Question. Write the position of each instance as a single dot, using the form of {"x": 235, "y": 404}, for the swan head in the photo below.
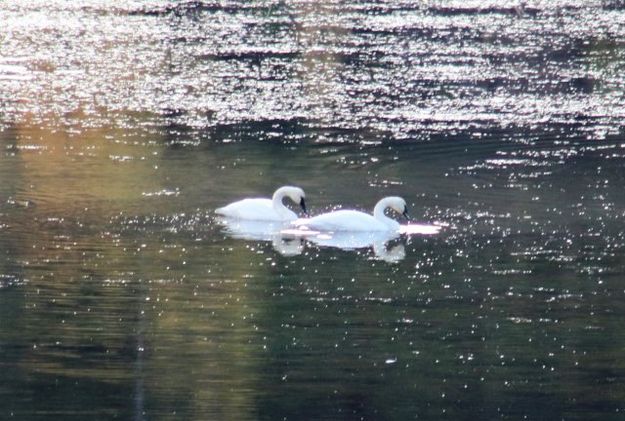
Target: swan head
{"x": 395, "y": 203}
{"x": 398, "y": 205}
{"x": 296, "y": 194}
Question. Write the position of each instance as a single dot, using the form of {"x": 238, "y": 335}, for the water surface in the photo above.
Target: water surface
{"x": 123, "y": 125}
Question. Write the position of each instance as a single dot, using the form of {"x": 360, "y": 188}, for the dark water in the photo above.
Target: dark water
{"x": 123, "y": 125}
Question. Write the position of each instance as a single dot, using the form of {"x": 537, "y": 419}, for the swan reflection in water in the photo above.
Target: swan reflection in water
{"x": 381, "y": 242}
{"x": 290, "y": 241}
{"x": 262, "y": 231}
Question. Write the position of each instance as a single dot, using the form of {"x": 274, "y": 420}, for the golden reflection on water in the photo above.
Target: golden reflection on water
{"x": 69, "y": 168}
{"x": 105, "y": 303}
{"x": 113, "y": 275}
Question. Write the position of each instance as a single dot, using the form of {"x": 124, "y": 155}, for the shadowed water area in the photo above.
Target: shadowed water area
{"x": 123, "y": 125}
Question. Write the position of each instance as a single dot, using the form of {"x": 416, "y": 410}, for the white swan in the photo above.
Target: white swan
{"x": 351, "y": 220}
{"x": 260, "y": 209}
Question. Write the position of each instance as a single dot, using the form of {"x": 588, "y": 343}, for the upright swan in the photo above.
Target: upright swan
{"x": 261, "y": 209}
{"x": 351, "y": 220}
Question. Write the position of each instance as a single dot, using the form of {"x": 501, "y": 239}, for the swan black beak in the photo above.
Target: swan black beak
{"x": 302, "y": 203}
{"x": 405, "y": 213}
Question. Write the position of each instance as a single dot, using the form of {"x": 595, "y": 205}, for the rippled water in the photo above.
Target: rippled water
{"x": 123, "y": 125}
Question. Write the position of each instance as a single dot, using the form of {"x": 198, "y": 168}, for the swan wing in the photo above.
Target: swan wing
{"x": 253, "y": 209}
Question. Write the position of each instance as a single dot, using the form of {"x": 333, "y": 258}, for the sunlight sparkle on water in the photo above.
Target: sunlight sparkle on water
{"x": 125, "y": 124}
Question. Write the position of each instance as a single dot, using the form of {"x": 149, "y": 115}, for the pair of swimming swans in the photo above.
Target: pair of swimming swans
{"x": 273, "y": 210}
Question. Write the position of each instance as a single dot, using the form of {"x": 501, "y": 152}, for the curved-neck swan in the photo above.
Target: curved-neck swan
{"x": 351, "y": 220}
{"x": 261, "y": 209}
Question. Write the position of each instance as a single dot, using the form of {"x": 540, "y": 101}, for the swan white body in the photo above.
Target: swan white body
{"x": 261, "y": 209}
{"x": 352, "y": 220}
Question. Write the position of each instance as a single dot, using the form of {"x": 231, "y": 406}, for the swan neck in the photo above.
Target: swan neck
{"x": 277, "y": 203}
{"x": 378, "y": 213}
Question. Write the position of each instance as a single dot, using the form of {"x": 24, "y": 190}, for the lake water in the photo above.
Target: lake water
{"x": 123, "y": 125}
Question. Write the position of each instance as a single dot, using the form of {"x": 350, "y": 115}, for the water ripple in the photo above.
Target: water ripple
{"x": 462, "y": 67}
